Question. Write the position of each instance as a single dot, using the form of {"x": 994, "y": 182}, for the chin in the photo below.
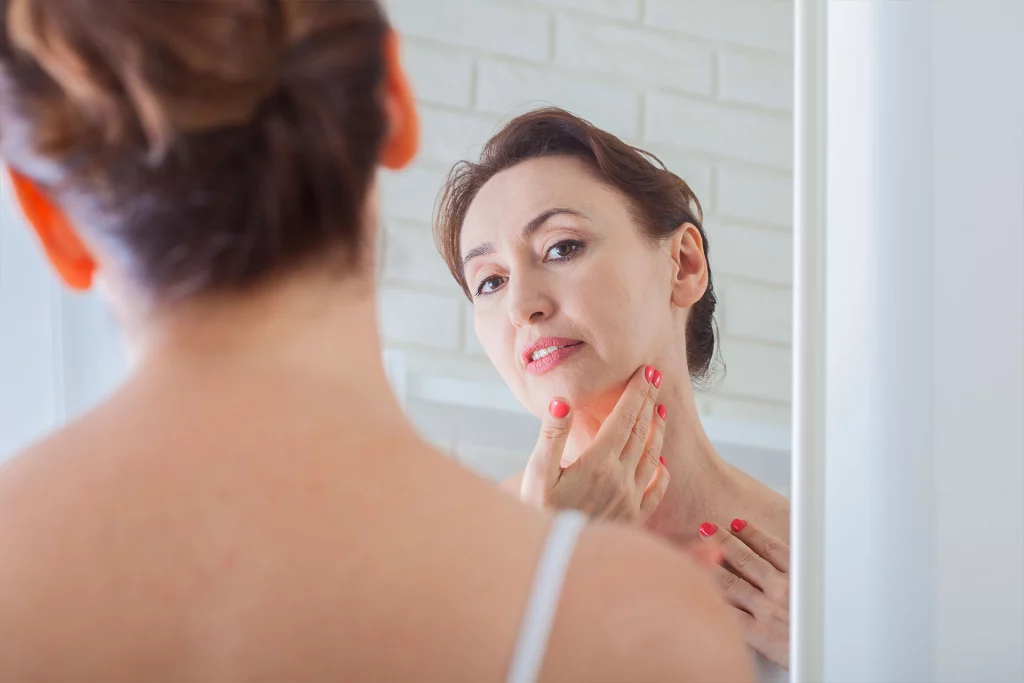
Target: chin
{"x": 591, "y": 394}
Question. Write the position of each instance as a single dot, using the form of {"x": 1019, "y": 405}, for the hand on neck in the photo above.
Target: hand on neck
{"x": 700, "y": 481}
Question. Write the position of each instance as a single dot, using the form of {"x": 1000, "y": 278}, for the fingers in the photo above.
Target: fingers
{"x": 545, "y": 464}
{"x": 739, "y": 592}
{"x": 763, "y": 543}
{"x": 629, "y": 421}
{"x": 771, "y": 640}
{"x": 747, "y": 563}
{"x": 654, "y": 492}
{"x": 651, "y": 458}
{"x": 640, "y": 434}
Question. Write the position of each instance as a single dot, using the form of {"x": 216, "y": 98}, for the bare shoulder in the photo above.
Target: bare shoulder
{"x": 636, "y": 609}
{"x": 32, "y": 555}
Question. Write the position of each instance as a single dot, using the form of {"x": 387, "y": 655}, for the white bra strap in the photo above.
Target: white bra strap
{"x": 543, "y": 601}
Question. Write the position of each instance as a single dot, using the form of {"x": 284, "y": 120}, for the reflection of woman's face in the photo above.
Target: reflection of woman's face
{"x": 553, "y": 258}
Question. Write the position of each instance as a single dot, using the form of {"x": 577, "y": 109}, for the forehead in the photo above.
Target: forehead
{"x": 511, "y": 198}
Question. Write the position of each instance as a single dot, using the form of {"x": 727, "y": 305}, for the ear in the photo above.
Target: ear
{"x": 66, "y": 252}
{"x": 403, "y": 140}
{"x": 690, "y": 275}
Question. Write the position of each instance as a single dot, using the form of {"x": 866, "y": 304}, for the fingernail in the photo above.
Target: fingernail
{"x": 662, "y": 458}
{"x": 738, "y": 525}
{"x": 558, "y": 409}
{"x": 663, "y": 412}
{"x": 708, "y": 529}
{"x": 648, "y": 373}
{"x": 656, "y": 380}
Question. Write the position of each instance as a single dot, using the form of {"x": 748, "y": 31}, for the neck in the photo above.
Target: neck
{"x": 701, "y": 484}
{"x": 314, "y": 331}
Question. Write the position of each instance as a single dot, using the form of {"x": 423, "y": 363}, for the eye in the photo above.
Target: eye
{"x": 489, "y": 286}
{"x": 563, "y": 251}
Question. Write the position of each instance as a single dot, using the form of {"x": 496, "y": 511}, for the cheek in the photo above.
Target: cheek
{"x": 625, "y": 310}
{"x": 493, "y": 335}
{"x": 605, "y": 301}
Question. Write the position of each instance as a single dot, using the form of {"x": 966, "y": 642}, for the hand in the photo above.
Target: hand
{"x": 756, "y": 584}
{"x": 620, "y": 475}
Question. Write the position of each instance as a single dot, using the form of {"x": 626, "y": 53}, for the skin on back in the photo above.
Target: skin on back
{"x": 314, "y": 538}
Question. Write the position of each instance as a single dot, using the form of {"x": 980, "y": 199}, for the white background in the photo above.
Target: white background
{"x": 924, "y": 460}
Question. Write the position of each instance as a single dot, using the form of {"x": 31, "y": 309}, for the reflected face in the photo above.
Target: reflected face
{"x": 569, "y": 296}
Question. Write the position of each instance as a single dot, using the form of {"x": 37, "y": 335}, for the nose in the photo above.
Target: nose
{"x": 529, "y": 302}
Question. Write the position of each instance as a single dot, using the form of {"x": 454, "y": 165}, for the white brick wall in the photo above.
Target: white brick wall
{"x": 510, "y": 29}
{"x": 704, "y": 84}
{"x": 761, "y": 24}
{"x": 418, "y": 318}
{"x": 719, "y": 130}
{"x": 752, "y": 253}
{"x": 506, "y": 89}
{"x": 441, "y": 75}
{"x": 618, "y": 9}
{"x": 755, "y": 195}
{"x": 632, "y": 53}
{"x": 755, "y": 78}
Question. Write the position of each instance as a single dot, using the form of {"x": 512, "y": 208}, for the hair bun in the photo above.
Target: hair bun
{"x": 219, "y": 141}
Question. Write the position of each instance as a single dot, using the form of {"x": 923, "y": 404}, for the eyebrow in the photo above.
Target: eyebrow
{"x": 533, "y": 226}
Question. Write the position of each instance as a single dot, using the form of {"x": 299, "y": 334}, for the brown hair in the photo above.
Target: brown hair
{"x": 660, "y": 200}
{"x": 209, "y": 144}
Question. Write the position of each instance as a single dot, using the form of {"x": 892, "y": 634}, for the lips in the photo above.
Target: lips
{"x": 547, "y": 352}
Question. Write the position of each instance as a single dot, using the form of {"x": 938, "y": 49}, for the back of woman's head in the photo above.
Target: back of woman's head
{"x": 205, "y": 145}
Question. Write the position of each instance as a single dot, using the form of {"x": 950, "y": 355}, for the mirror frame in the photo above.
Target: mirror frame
{"x": 808, "y": 421}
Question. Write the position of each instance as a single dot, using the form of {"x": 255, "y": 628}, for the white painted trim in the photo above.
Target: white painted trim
{"x": 809, "y": 238}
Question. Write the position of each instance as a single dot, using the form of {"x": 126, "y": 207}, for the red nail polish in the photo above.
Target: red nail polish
{"x": 662, "y": 458}
{"x": 663, "y": 412}
{"x": 648, "y": 373}
{"x": 708, "y": 529}
{"x": 656, "y": 380}
{"x": 558, "y": 409}
{"x": 738, "y": 525}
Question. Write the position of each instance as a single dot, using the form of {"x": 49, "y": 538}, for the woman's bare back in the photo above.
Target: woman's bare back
{"x": 310, "y": 540}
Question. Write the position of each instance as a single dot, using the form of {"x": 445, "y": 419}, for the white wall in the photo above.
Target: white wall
{"x": 29, "y": 350}
{"x": 707, "y": 86}
{"x": 978, "y": 363}
{"x": 924, "y": 464}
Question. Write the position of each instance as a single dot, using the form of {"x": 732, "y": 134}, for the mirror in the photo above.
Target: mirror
{"x": 706, "y": 88}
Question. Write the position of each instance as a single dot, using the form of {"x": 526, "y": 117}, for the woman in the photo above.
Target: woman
{"x": 584, "y": 258}
{"x": 250, "y": 505}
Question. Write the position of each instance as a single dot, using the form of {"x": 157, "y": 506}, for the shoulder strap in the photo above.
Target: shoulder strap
{"x": 543, "y": 601}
